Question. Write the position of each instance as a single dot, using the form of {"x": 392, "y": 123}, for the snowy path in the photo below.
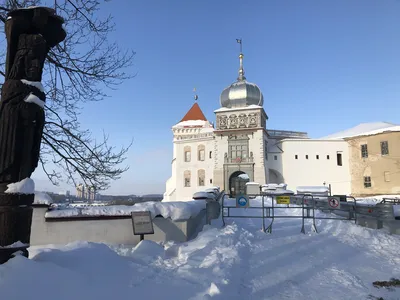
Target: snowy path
{"x": 237, "y": 261}
{"x": 340, "y": 262}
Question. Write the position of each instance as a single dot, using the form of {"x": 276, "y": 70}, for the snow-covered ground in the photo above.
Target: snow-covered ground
{"x": 237, "y": 261}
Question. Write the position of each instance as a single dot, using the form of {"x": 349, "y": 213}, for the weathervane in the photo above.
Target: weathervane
{"x": 195, "y": 95}
{"x": 239, "y": 41}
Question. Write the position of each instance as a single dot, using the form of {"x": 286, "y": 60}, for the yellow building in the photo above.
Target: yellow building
{"x": 374, "y": 158}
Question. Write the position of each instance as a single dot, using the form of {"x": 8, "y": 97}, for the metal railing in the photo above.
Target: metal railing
{"x": 391, "y": 200}
{"x": 285, "y": 133}
{"x": 345, "y": 211}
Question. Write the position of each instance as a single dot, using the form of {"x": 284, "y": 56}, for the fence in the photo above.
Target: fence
{"x": 372, "y": 216}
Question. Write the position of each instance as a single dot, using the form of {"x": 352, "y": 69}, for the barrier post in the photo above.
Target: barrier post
{"x": 223, "y": 212}
{"x": 314, "y": 226}
{"x": 302, "y": 214}
{"x": 263, "y": 214}
{"x": 271, "y": 209}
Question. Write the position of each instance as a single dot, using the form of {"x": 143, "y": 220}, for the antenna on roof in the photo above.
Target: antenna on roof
{"x": 195, "y": 95}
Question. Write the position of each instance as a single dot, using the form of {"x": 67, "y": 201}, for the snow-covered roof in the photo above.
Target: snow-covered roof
{"x": 192, "y": 123}
{"x": 237, "y": 108}
{"x": 364, "y": 129}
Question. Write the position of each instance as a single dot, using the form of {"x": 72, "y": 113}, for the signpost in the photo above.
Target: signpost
{"x": 283, "y": 200}
{"x": 142, "y": 223}
{"x": 242, "y": 201}
{"x": 334, "y": 202}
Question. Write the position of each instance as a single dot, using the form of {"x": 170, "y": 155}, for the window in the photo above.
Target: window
{"x": 339, "y": 159}
{"x": 327, "y": 157}
{"x": 296, "y": 156}
{"x": 386, "y": 176}
{"x": 210, "y": 154}
{"x": 367, "y": 181}
{"x": 201, "y": 174}
{"x": 275, "y": 157}
{"x": 266, "y": 150}
{"x": 187, "y": 156}
{"x": 201, "y": 153}
{"x": 239, "y": 149}
{"x": 186, "y": 176}
{"x": 306, "y": 156}
{"x": 317, "y": 156}
{"x": 210, "y": 180}
{"x": 364, "y": 151}
{"x": 384, "y": 148}
{"x": 187, "y": 152}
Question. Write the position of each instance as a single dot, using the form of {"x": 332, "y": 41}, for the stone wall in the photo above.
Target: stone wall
{"x": 108, "y": 229}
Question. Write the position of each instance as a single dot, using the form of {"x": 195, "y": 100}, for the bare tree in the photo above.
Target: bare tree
{"x": 77, "y": 71}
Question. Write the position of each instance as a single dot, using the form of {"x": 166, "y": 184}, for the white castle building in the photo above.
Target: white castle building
{"x": 241, "y": 148}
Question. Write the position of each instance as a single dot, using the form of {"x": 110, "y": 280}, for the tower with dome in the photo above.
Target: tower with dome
{"x": 227, "y": 154}
{"x": 240, "y": 136}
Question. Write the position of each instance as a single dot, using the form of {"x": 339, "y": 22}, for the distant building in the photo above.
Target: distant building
{"x": 90, "y": 193}
{"x": 80, "y": 191}
{"x": 86, "y": 192}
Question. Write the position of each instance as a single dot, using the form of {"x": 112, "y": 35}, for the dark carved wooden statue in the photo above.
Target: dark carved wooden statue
{"x": 30, "y": 34}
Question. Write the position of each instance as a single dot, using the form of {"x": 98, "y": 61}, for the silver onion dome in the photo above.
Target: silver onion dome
{"x": 241, "y": 93}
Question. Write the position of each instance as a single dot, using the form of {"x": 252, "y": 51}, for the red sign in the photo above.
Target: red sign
{"x": 333, "y": 202}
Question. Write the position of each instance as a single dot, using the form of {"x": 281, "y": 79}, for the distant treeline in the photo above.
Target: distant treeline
{"x": 113, "y": 200}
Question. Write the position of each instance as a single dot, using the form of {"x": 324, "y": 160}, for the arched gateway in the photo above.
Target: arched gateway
{"x": 237, "y": 183}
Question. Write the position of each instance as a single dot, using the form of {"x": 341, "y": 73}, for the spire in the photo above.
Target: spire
{"x": 241, "y": 69}
{"x": 194, "y": 114}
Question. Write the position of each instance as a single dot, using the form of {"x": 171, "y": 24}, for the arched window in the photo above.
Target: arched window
{"x": 187, "y": 153}
{"x": 201, "y": 174}
{"x": 201, "y": 152}
{"x": 186, "y": 176}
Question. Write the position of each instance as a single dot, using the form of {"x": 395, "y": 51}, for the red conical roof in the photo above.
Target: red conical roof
{"x": 194, "y": 113}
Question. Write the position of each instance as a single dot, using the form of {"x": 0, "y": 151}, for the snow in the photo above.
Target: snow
{"x": 252, "y": 106}
{"x": 18, "y": 244}
{"x": 244, "y": 176}
{"x": 274, "y": 186}
{"x": 312, "y": 189}
{"x": 237, "y": 261}
{"x": 31, "y": 98}
{"x": 201, "y": 123}
{"x": 252, "y": 183}
{"x": 36, "y": 84}
{"x": 25, "y": 186}
{"x": 180, "y": 210}
{"x": 42, "y": 198}
{"x": 364, "y": 129}
{"x": 199, "y": 195}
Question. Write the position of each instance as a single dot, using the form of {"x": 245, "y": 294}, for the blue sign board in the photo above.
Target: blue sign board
{"x": 242, "y": 201}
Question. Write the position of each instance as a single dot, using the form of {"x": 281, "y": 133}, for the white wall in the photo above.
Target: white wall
{"x": 186, "y": 193}
{"x": 257, "y": 146}
{"x": 313, "y": 171}
{"x": 190, "y": 137}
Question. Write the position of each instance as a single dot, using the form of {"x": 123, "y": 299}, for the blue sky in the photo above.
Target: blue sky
{"x": 323, "y": 66}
